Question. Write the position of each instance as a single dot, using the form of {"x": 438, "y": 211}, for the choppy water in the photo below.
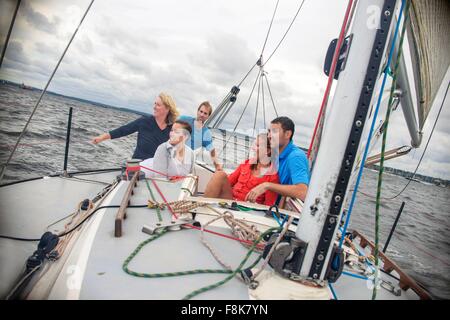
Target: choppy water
{"x": 420, "y": 245}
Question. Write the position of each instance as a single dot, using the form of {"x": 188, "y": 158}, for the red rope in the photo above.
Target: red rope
{"x": 197, "y": 228}
{"x": 164, "y": 198}
{"x": 331, "y": 74}
{"x": 137, "y": 168}
{"x": 224, "y": 235}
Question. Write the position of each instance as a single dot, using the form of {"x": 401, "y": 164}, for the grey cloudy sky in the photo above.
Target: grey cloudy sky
{"x": 126, "y": 52}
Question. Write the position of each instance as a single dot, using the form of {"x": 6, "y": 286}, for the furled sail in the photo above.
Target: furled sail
{"x": 430, "y": 31}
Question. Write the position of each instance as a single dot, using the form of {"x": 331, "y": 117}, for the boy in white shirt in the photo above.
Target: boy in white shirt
{"x": 173, "y": 157}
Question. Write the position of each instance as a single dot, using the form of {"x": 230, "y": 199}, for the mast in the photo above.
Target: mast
{"x": 347, "y": 117}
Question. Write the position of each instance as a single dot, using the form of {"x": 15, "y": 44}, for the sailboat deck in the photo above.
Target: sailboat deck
{"x": 29, "y": 207}
{"x": 175, "y": 251}
{"x": 91, "y": 267}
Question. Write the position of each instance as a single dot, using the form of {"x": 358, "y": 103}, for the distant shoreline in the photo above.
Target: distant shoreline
{"x": 98, "y": 104}
{"x": 397, "y": 172}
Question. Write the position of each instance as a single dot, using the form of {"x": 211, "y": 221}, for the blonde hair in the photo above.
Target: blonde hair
{"x": 170, "y": 104}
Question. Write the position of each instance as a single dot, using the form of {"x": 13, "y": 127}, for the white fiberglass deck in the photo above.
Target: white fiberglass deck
{"x": 91, "y": 267}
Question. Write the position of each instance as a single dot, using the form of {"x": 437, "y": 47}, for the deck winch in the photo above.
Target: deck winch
{"x": 287, "y": 257}
{"x": 289, "y": 253}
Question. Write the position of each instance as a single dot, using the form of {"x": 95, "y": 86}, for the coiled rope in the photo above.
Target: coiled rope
{"x": 195, "y": 271}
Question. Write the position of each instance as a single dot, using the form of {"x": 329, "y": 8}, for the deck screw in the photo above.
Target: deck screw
{"x": 358, "y": 123}
{"x": 254, "y": 284}
{"x": 337, "y": 198}
{"x": 387, "y": 13}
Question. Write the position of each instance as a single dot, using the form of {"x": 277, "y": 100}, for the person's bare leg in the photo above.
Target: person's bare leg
{"x": 219, "y": 186}
{"x": 227, "y": 192}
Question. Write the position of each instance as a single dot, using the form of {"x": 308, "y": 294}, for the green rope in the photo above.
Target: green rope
{"x": 189, "y": 191}
{"x": 160, "y": 275}
{"x": 195, "y": 271}
{"x": 158, "y": 210}
{"x": 239, "y": 268}
{"x": 383, "y": 149}
{"x": 242, "y": 208}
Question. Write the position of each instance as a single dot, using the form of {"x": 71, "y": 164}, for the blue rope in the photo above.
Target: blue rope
{"x": 366, "y": 150}
{"x": 333, "y": 292}
{"x": 280, "y": 223}
{"x": 354, "y": 275}
{"x": 284, "y": 221}
{"x": 276, "y": 218}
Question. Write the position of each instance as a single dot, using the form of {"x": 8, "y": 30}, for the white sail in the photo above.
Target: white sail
{"x": 430, "y": 31}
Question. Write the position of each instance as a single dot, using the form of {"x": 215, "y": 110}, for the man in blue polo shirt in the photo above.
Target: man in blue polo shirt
{"x": 293, "y": 168}
{"x": 201, "y": 136}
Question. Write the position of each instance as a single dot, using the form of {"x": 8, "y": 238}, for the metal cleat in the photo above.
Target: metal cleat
{"x": 172, "y": 225}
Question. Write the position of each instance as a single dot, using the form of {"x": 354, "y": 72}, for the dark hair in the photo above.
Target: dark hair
{"x": 207, "y": 105}
{"x": 286, "y": 123}
{"x": 262, "y": 135}
{"x": 185, "y": 125}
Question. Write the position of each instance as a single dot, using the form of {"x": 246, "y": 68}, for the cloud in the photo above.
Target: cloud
{"x": 38, "y": 20}
{"x": 226, "y": 58}
{"x": 85, "y": 45}
{"x": 133, "y": 41}
{"x": 125, "y": 55}
{"x": 16, "y": 53}
{"x": 7, "y": 8}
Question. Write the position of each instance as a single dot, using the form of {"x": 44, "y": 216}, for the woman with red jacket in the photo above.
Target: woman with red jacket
{"x": 248, "y": 175}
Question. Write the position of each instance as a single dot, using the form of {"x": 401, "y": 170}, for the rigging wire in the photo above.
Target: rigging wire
{"x": 248, "y": 73}
{"x": 240, "y": 118}
{"x": 261, "y": 64}
{"x": 86, "y": 180}
{"x": 352, "y": 202}
{"x": 423, "y": 154}
{"x": 271, "y": 97}
{"x": 285, "y": 34}
{"x": 320, "y": 119}
{"x": 426, "y": 146}
{"x": 257, "y": 102}
{"x": 42, "y": 94}
{"x": 270, "y": 27}
{"x": 263, "y": 102}
{"x": 383, "y": 145}
{"x": 9, "y": 32}
{"x": 261, "y": 72}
